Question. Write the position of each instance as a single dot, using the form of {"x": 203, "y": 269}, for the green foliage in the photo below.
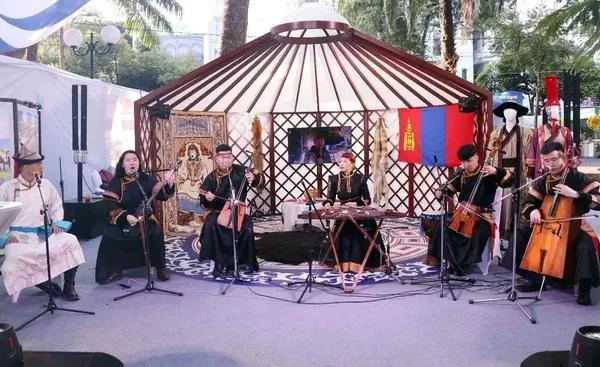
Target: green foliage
{"x": 580, "y": 16}
{"x": 402, "y": 24}
{"x": 150, "y": 70}
{"x": 526, "y": 55}
{"x": 144, "y": 17}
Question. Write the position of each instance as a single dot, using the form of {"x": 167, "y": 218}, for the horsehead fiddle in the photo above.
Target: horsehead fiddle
{"x": 467, "y": 215}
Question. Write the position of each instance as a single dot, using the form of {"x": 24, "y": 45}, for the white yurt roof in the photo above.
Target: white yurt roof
{"x": 313, "y": 61}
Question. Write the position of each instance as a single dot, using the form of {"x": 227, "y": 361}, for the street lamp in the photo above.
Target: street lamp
{"x": 73, "y": 38}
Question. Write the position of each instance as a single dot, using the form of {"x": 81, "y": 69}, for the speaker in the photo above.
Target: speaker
{"x": 547, "y": 359}
{"x": 88, "y": 218}
{"x": 70, "y": 359}
{"x": 11, "y": 353}
{"x": 585, "y": 351}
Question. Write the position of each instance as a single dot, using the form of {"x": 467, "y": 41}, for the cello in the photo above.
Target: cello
{"x": 467, "y": 215}
{"x": 551, "y": 247}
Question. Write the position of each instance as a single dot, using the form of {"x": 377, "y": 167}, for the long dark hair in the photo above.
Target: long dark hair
{"x": 119, "y": 170}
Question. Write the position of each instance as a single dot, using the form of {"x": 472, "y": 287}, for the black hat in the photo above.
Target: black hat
{"x": 26, "y": 157}
{"x": 223, "y": 148}
{"x": 521, "y": 110}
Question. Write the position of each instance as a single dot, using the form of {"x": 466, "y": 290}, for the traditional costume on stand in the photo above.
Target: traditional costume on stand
{"x": 461, "y": 251}
{"x": 25, "y": 262}
{"x": 216, "y": 241}
{"x": 551, "y": 131}
{"x": 351, "y": 244}
{"x": 121, "y": 246}
{"x": 511, "y": 155}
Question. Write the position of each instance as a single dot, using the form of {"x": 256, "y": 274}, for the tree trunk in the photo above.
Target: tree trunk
{"x": 32, "y": 53}
{"x": 235, "y": 24}
{"x": 449, "y": 58}
{"x": 61, "y": 48}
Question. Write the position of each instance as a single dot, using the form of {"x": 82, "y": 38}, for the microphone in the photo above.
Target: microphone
{"x": 38, "y": 179}
{"x": 136, "y": 175}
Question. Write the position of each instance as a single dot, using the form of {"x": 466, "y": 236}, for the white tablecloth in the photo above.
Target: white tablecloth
{"x": 289, "y": 214}
{"x": 8, "y": 212}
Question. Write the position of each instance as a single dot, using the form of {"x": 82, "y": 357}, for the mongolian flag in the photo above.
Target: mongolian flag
{"x": 433, "y": 131}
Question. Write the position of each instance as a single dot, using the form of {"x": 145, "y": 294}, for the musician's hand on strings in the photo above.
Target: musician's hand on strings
{"x": 132, "y": 220}
{"x": 209, "y": 196}
{"x": 170, "y": 177}
{"x": 535, "y": 217}
{"x": 250, "y": 177}
{"x": 489, "y": 170}
{"x": 565, "y": 190}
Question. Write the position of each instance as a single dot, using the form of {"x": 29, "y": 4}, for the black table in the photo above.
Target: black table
{"x": 88, "y": 218}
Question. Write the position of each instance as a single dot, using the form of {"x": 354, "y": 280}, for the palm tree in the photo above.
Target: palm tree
{"x": 448, "y": 57}
{"x": 470, "y": 10}
{"x": 143, "y": 18}
{"x": 582, "y": 16}
{"x": 235, "y": 24}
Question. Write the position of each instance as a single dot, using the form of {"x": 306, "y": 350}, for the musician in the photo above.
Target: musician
{"x": 350, "y": 188}
{"x": 459, "y": 250}
{"x": 586, "y": 193}
{"x": 217, "y": 241}
{"x": 25, "y": 251}
{"x": 318, "y": 153}
{"x": 121, "y": 246}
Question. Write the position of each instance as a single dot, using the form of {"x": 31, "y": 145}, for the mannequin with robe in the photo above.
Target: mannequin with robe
{"x": 514, "y": 141}
{"x": 549, "y": 131}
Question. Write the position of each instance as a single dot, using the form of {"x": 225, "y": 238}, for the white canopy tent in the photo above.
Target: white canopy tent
{"x": 110, "y": 118}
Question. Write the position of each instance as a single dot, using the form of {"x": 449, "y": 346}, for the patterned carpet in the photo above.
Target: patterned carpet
{"x": 407, "y": 251}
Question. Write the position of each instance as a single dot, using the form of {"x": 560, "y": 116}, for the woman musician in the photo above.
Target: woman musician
{"x": 350, "y": 187}
{"x": 586, "y": 194}
{"x": 478, "y": 183}
{"x": 215, "y": 193}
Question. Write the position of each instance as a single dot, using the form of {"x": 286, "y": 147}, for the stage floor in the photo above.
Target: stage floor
{"x": 387, "y": 323}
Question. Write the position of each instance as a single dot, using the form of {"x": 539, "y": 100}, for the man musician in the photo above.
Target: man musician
{"x": 216, "y": 241}
{"x": 462, "y": 251}
{"x": 586, "y": 193}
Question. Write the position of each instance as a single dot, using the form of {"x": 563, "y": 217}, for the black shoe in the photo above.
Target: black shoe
{"x": 112, "y": 277}
{"x": 162, "y": 274}
{"x": 51, "y": 288}
{"x": 583, "y": 294}
{"x": 584, "y": 299}
{"x": 69, "y": 293}
{"x": 530, "y": 286}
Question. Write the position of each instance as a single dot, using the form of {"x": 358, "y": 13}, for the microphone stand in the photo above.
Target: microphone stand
{"x": 61, "y": 182}
{"x": 310, "y": 277}
{"x": 51, "y": 306}
{"x": 443, "y": 276}
{"x": 143, "y": 234}
{"x": 234, "y": 235}
{"x": 513, "y": 296}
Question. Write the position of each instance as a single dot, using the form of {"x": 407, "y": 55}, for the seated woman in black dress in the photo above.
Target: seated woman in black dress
{"x": 350, "y": 188}
{"x": 121, "y": 245}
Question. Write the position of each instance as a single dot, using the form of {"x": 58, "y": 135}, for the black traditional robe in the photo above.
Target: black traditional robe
{"x": 587, "y": 260}
{"x": 216, "y": 241}
{"x": 117, "y": 249}
{"x": 460, "y": 251}
{"x": 351, "y": 246}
